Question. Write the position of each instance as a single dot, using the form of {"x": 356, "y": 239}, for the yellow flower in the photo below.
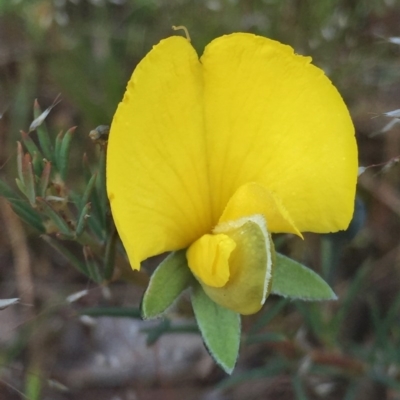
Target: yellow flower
{"x": 199, "y": 147}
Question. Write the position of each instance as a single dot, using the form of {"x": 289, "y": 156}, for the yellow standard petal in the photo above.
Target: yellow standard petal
{"x": 156, "y": 164}
{"x": 274, "y": 119}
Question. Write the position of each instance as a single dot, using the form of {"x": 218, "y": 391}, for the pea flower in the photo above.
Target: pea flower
{"x": 214, "y": 154}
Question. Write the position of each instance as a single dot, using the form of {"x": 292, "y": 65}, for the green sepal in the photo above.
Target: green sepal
{"x": 251, "y": 266}
{"x": 294, "y": 280}
{"x": 220, "y": 329}
{"x": 167, "y": 282}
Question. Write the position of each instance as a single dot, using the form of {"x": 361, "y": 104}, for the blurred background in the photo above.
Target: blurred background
{"x": 71, "y": 336}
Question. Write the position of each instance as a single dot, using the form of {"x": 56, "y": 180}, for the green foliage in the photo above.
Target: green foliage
{"x": 219, "y": 327}
{"x": 59, "y": 49}
{"x": 59, "y": 211}
{"x": 167, "y": 282}
{"x": 291, "y": 279}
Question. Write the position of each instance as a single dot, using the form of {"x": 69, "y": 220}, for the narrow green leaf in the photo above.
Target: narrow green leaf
{"x": 20, "y": 186}
{"x": 265, "y": 338}
{"x": 294, "y": 280}
{"x": 44, "y": 179}
{"x": 30, "y": 144}
{"x": 37, "y": 162}
{"x": 57, "y": 150}
{"x": 87, "y": 172}
{"x": 165, "y": 327}
{"x": 120, "y": 312}
{"x": 314, "y": 318}
{"x": 64, "y": 152}
{"x": 96, "y": 223}
{"x": 80, "y": 266}
{"x": 33, "y": 384}
{"x": 351, "y": 393}
{"x": 29, "y": 179}
{"x": 156, "y": 332}
{"x": 267, "y": 315}
{"x": 347, "y": 302}
{"x": 168, "y": 281}
{"x": 109, "y": 257}
{"x": 298, "y": 388}
{"x": 54, "y": 216}
{"x": 20, "y": 158}
{"x": 83, "y": 216}
{"x": 91, "y": 264}
{"x": 101, "y": 186}
{"x": 7, "y": 192}
{"x": 88, "y": 191}
{"x": 21, "y": 208}
{"x": 273, "y": 368}
{"x": 39, "y": 125}
{"x": 45, "y": 144}
{"x": 219, "y": 327}
{"x": 391, "y": 315}
{"x": 28, "y": 215}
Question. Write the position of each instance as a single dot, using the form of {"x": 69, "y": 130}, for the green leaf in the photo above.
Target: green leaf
{"x": 30, "y": 144}
{"x": 37, "y": 163}
{"x": 267, "y": 315}
{"x": 39, "y": 125}
{"x": 80, "y": 266}
{"x": 168, "y": 281}
{"x": 44, "y": 179}
{"x": 22, "y": 209}
{"x": 28, "y": 215}
{"x": 92, "y": 266}
{"x": 155, "y": 333}
{"x": 101, "y": 187}
{"x": 88, "y": 192}
{"x": 219, "y": 327}
{"x": 119, "y": 312}
{"x": 273, "y": 368}
{"x": 29, "y": 179}
{"x": 57, "y": 149}
{"x": 109, "y": 256}
{"x": 294, "y": 280}
{"x": 54, "y": 216}
{"x": 64, "y": 152}
{"x": 84, "y": 215}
